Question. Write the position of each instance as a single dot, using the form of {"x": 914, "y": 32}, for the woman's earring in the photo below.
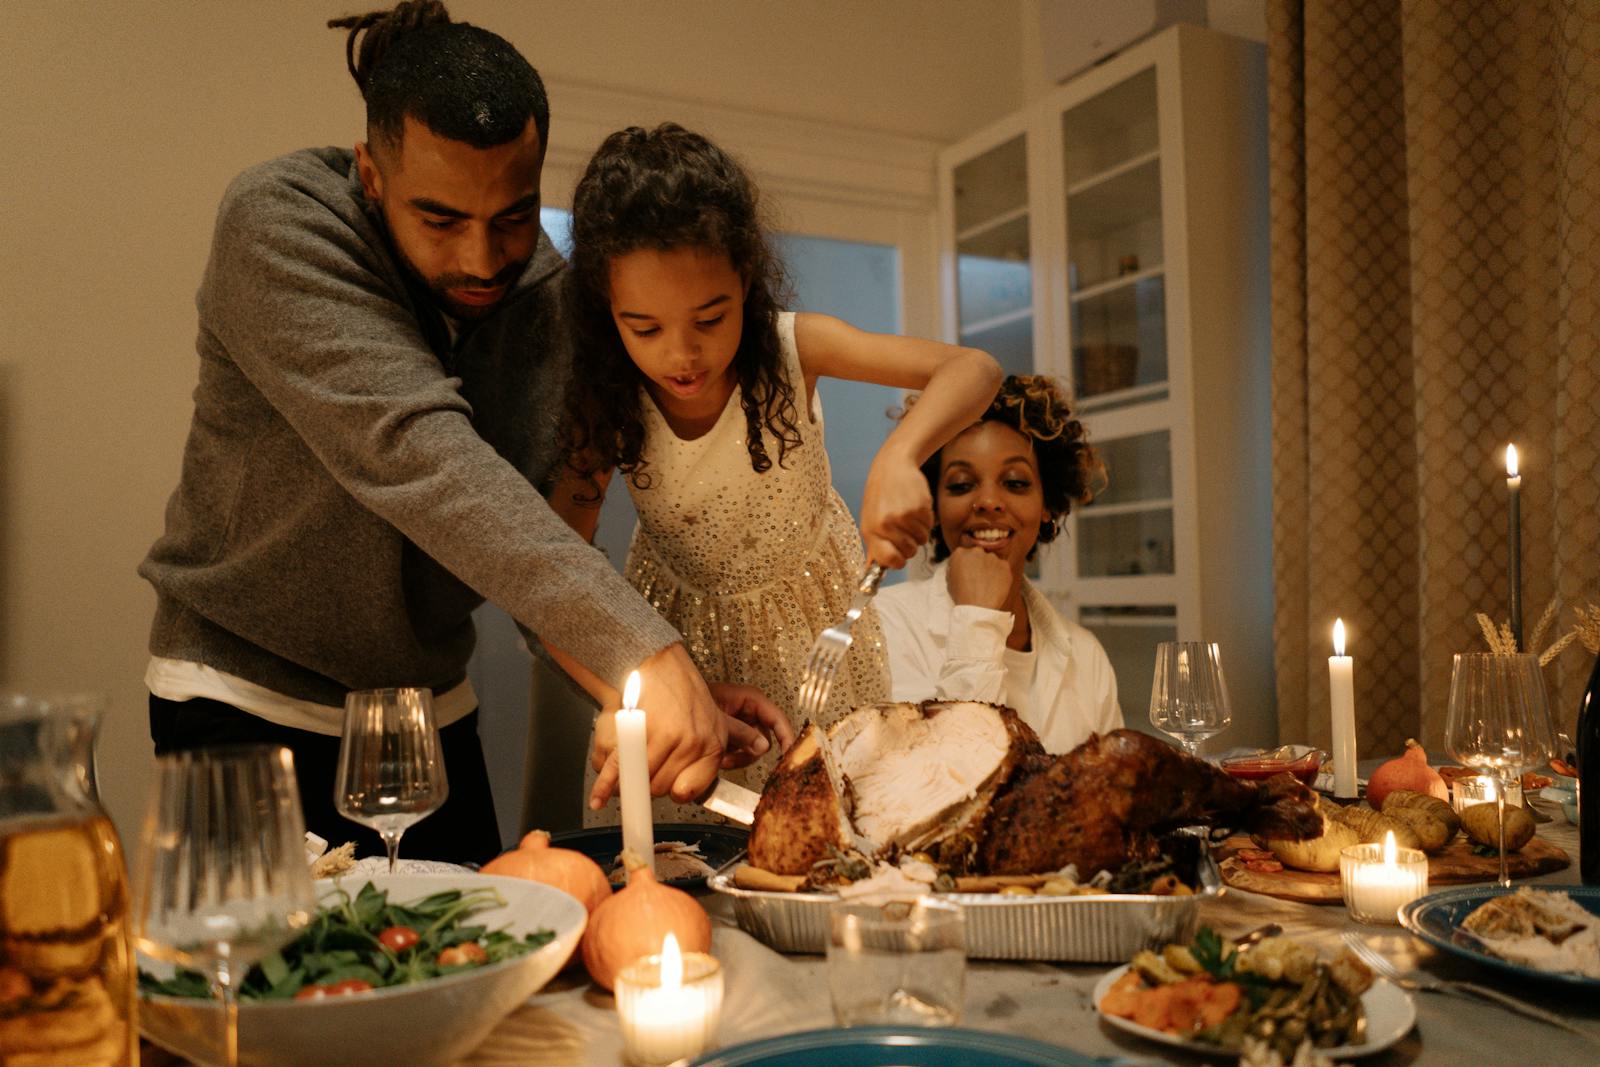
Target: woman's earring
{"x": 1048, "y": 529}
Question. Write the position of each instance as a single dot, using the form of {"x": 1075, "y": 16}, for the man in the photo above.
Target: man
{"x": 381, "y": 372}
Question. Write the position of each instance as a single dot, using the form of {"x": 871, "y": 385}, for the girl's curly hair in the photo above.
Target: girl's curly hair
{"x": 1070, "y": 470}
{"x": 664, "y": 189}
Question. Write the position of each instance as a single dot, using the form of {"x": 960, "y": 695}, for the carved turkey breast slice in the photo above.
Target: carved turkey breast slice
{"x": 885, "y": 779}
{"x": 920, "y": 774}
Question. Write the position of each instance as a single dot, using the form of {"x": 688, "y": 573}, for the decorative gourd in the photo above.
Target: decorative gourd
{"x": 636, "y": 919}
{"x": 569, "y": 871}
{"x": 1409, "y": 770}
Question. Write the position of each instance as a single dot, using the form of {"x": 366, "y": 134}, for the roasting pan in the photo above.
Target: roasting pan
{"x": 1105, "y": 928}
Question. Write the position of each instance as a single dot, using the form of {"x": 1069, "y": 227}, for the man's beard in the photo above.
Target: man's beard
{"x": 439, "y": 287}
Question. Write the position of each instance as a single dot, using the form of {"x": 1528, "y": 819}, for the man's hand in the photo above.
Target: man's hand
{"x": 979, "y": 578}
{"x": 896, "y": 510}
{"x": 686, "y": 732}
{"x": 749, "y": 707}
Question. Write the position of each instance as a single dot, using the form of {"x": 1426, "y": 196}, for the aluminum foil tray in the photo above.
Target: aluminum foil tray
{"x": 1105, "y": 928}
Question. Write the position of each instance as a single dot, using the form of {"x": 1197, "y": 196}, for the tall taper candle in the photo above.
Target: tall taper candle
{"x": 1514, "y": 485}
{"x": 633, "y": 780}
{"x": 1342, "y": 696}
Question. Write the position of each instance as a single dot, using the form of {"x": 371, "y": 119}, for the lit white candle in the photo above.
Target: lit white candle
{"x": 633, "y": 765}
{"x": 669, "y": 1005}
{"x": 1378, "y": 880}
{"x": 1342, "y": 696}
{"x": 1514, "y": 547}
{"x": 1465, "y": 792}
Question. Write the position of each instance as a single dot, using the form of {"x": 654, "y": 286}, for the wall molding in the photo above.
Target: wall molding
{"x": 793, "y": 158}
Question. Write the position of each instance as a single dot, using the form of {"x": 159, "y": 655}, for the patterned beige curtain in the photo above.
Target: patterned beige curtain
{"x": 1435, "y": 193}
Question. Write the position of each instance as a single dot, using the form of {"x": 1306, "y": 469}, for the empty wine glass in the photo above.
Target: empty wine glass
{"x": 1189, "y": 698}
{"x": 223, "y": 877}
{"x": 391, "y": 772}
{"x": 1499, "y": 722}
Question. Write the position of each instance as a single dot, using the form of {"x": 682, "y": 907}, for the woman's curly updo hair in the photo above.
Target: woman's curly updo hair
{"x": 665, "y": 189}
{"x": 1070, "y": 471}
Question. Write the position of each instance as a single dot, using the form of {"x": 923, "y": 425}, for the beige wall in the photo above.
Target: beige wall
{"x": 124, "y": 120}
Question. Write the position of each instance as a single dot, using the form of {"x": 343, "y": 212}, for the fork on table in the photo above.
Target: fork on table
{"x": 1429, "y": 984}
{"x": 828, "y": 650}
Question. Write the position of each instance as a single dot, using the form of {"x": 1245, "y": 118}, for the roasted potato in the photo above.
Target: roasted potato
{"x": 1483, "y": 826}
{"x": 1406, "y": 800}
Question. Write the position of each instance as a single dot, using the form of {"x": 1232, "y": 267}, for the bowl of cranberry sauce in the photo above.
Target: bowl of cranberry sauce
{"x": 1302, "y": 761}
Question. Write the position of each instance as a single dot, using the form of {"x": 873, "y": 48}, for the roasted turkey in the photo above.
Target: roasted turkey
{"x": 969, "y": 784}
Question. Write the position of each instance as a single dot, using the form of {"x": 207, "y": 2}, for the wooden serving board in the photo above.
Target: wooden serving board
{"x": 1456, "y": 862}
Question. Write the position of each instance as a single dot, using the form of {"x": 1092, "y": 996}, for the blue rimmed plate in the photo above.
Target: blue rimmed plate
{"x": 883, "y": 1046}
{"x": 603, "y": 844}
{"x": 1437, "y": 917}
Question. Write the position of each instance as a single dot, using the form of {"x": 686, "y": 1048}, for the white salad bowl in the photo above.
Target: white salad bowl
{"x": 427, "y": 1024}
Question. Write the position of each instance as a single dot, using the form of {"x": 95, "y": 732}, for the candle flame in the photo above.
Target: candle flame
{"x": 1511, "y": 461}
{"x": 671, "y": 963}
{"x": 1490, "y": 794}
{"x": 1338, "y": 637}
{"x": 1388, "y": 849}
{"x": 630, "y": 691}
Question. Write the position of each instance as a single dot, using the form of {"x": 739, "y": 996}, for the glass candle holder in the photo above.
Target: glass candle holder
{"x": 1481, "y": 789}
{"x": 669, "y": 1006}
{"x": 1378, "y": 880}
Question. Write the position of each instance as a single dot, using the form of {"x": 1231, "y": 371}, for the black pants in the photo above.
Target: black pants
{"x": 463, "y": 830}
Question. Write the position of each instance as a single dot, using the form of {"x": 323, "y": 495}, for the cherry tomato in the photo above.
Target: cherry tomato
{"x": 398, "y": 938}
{"x": 466, "y": 953}
{"x": 348, "y": 986}
{"x": 335, "y": 989}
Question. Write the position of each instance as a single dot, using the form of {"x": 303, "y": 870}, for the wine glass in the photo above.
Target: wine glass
{"x": 1499, "y": 722}
{"x": 223, "y": 877}
{"x": 1189, "y": 698}
{"x": 391, "y": 773}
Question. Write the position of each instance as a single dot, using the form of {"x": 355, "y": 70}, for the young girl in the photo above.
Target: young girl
{"x": 977, "y": 629}
{"x": 696, "y": 386}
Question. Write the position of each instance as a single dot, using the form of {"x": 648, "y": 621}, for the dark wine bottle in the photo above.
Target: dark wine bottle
{"x": 1589, "y": 779}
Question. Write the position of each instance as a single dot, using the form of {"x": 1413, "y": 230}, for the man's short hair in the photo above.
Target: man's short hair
{"x": 460, "y": 81}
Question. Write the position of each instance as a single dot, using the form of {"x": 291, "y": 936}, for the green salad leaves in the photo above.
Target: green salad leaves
{"x": 365, "y": 942}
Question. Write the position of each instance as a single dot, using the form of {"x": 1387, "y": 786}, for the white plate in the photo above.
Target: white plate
{"x": 1390, "y": 1016}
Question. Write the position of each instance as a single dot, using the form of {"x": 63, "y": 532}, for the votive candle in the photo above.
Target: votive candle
{"x": 669, "y": 1005}
{"x": 1481, "y": 789}
{"x": 1378, "y": 880}
{"x": 1342, "y": 698}
{"x": 633, "y": 778}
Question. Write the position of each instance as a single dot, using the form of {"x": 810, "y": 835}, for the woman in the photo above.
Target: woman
{"x": 976, "y": 629}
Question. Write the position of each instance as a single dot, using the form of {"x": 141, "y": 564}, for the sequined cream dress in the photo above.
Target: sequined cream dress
{"x": 750, "y": 567}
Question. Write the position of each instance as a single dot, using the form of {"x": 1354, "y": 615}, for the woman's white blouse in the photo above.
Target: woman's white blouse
{"x": 944, "y": 651}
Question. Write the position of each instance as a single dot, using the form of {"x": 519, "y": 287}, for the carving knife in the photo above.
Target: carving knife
{"x": 731, "y": 800}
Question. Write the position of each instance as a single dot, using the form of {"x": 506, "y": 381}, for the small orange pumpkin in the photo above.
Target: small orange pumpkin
{"x": 636, "y": 919}
{"x": 569, "y": 871}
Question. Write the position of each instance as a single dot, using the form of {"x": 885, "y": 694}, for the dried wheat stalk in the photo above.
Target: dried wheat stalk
{"x": 1588, "y": 628}
{"x": 1502, "y": 642}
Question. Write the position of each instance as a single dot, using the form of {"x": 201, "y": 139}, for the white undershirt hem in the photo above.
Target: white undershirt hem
{"x": 177, "y": 679}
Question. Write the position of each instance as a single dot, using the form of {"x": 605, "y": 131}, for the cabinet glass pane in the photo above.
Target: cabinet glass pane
{"x": 1010, "y": 342}
{"x": 1138, "y": 468}
{"x": 1124, "y": 542}
{"x": 1112, "y": 128}
{"x": 991, "y": 185}
{"x": 1119, "y": 338}
{"x": 1114, "y": 226}
{"x": 1129, "y": 636}
{"x": 993, "y": 275}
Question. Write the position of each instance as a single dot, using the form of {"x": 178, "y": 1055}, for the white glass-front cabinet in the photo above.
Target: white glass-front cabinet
{"x": 1114, "y": 234}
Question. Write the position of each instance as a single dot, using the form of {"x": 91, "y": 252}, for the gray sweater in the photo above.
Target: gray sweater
{"x": 352, "y": 488}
